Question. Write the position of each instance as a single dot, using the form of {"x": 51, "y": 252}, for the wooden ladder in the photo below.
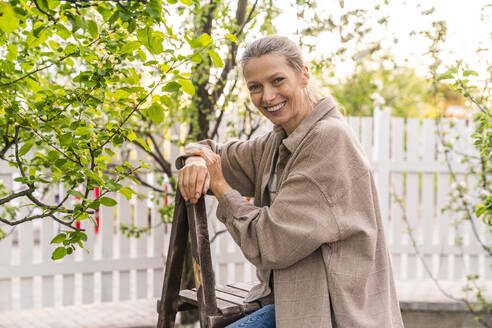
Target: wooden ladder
{"x": 217, "y": 306}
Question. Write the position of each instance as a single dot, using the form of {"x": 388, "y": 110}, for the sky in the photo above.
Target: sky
{"x": 466, "y": 30}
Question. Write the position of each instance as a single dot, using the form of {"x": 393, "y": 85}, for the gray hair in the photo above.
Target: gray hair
{"x": 282, "y": 46}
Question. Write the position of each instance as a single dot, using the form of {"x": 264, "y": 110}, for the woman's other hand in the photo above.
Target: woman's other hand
{"x": 218, "y": 184}
{"x": 193, "y": 179}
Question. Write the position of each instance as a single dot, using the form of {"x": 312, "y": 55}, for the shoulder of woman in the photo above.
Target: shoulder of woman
{"x": 333, "y": 145}
{"x": 332, "y": 132}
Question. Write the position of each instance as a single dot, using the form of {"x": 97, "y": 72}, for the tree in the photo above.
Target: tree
{"x": 397, "y": 88}
{"x": 75, "y": 77}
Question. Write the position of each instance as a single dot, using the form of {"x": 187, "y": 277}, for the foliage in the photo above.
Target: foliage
{"x": 480, "y": 162}
{"x": 398, "y": 88}
{"x": 215, "y": 80}
{"x": 75, "y": 77}
{"x": 470, "y": 196}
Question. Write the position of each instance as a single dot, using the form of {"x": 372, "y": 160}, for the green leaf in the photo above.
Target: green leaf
{"x": 130, "y": 47}
{"x": 196, "y": 58}
{"x": 109, "y": 151}
{"x": 117, "y": 140}
{"x": 83, "y": 216}
{"x": 469, "y": 72}
{"x": 93, "y": 30}
{"x": 26, "y": 147}
{"x": 82, "y": 131}
{"x": 127, "y": 192}
{"x": 165, "y": 68}
{"x": 187, "y": 86}
{"x": 480, "y": 209}
{"x": 62, "y": 31}
{"x": 156, "y": 113}
{"x": 156, "y": 44}
{"x": 43, "y": 4}
{"x": 59, "y": 253}
{"x": 60, "y": 162}
{"x": 186, "y": 2}
{"x": 8, "y": 20}
{"x": 125, "y": 16}
{"x": 12, "y": 52}
{"x": 171, "y": 87}
{"x": 104, "y": 158}
{"x": 140, "y": 141}
{"x": 52, "y": 4}
{"x": 206, "y": 40}
{"x": 131, "y": 135}
{"x": 231, "y": 37}
{"x": 75, "y": 193}
{"x": 66, "y": 139}
{"x": 150, "y": 39}
{"x": 106, "y": 201}
{"x": 93, "y": 176}
{"x": 165, "y": 100}
{"x": 445, "y": 76}
{"x": 58, "y": 238}
{"x": 144, "y": 35}
{"x": 95, "y": 204}
{"x": 194, "y": 43}
{"x": 215, "y": 58}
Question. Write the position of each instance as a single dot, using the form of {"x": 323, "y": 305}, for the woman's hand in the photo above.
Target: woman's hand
{"x": 217, "y": 182}
{"x": 193, "y": 179}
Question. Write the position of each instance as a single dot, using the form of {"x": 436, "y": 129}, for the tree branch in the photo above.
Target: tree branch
{"x": 469, "y": 213}
{"x": 135, "y": 108}
{"x": 7, "y": 142}
{"x": 467, "y": 303}
{"x": 16, "y": 195}
{"x": 148, "y": 185}
{"x": 166, "y": 166}
{"x": 51, "y": 18}
{"x": 250, "y": 16}
{"x": 221, "y": 115}
{"x": 78, "y": 162}
{"x": 231, "y": 60}
{"x": 47, "y": 66}
{"x": 17, "y": 159}
{"x": 218, "y": 233}
{"x": 40, "y": 216}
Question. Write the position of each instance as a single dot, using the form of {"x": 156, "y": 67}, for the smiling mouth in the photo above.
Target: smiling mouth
{"x": 275, "y": 108}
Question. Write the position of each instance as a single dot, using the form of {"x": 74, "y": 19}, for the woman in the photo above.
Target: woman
{"x": 314, "y": 231}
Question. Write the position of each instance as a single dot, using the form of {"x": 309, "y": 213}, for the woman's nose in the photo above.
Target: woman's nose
{"x": 268, "y": 95}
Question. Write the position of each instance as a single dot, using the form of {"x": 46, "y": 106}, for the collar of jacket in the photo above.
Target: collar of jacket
{"x": 323, "y": 107}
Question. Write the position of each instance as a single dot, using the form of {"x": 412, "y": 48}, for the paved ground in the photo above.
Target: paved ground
{"x": 141, "y": 313}
{"x": 423, "y": 296}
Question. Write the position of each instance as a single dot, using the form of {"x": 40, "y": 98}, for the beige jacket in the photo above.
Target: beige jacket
{"x": 322, "y": 237}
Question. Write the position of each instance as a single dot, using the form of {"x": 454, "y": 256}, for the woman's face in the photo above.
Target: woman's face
{"x": 277, "y": 90}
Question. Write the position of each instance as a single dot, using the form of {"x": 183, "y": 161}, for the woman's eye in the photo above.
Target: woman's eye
{"x": 253, "y": 87}
{"x": 278, "y": 80}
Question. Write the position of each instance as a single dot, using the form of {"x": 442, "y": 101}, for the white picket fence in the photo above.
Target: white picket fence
{"x": 406, "y": 161}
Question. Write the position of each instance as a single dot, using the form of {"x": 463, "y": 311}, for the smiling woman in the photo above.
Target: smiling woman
{"x": 314, "y": 231}
{"x": 278, "y": 90}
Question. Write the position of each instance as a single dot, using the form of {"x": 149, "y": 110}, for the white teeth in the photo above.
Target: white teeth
{"x": 275, "y": 108}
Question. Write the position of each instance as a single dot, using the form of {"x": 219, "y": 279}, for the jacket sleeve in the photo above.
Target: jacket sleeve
{"x": 238, "y": 161}
{"x": 297, "y": 223}
{"x": 312, "y": 207}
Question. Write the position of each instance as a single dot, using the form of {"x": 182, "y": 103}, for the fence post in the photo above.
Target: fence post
{"x": 381, "y": 160}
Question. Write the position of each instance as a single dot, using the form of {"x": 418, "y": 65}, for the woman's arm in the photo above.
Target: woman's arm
{"x": 326, "y": 197}
{"x": 237, "y": 160}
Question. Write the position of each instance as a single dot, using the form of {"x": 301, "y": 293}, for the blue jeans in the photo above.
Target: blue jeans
{"x": 262, "y": 318}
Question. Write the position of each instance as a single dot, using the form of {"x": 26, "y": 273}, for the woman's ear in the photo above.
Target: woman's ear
{"x": 305, "y": 76}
